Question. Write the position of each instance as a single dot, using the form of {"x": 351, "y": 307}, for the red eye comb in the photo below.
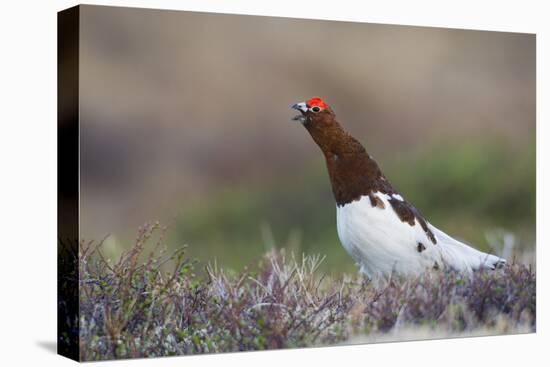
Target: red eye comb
{"x": 316, "y": 102}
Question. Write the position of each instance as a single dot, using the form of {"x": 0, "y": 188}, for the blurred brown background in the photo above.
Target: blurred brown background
{"x": 186, "y": 115}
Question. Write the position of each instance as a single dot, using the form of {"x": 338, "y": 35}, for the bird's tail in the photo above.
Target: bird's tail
{"x": 492, "y": 262}
{"x": 462, "y": 257}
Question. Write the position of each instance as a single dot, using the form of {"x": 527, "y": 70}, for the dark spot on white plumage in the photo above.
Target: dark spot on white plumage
{"x": 375, "y": 201}
{"x": 436, "y": 265}
{"x": 420, "y": 247}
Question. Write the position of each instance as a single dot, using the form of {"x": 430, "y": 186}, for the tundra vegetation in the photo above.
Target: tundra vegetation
{"x": 151, "y": 302}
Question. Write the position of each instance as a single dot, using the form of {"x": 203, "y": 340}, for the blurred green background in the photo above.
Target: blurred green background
{"x": 185, "y": 119}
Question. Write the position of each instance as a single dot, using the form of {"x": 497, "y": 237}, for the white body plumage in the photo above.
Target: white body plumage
{"x": 382, "y": 244}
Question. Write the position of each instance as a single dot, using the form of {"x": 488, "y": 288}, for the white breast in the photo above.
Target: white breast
{"x": 380, "y": 242}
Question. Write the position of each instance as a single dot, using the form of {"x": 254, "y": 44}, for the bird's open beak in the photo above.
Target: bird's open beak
{"x": 302, "y": 108}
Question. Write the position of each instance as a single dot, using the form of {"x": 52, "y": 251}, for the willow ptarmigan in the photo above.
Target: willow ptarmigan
{"x": 383, "y": 232}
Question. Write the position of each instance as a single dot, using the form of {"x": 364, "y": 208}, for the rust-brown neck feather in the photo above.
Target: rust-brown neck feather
{"x": 352, "y": 171}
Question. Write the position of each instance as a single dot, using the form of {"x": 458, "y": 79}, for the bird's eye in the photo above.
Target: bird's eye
{"x": 315, "y": 109}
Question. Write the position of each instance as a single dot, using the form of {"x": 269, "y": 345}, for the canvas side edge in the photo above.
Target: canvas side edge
{"x": 68, "y": 25}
